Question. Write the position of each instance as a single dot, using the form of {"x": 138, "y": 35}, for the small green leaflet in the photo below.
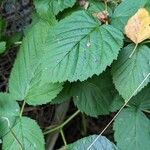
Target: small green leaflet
{"x": 54, "y": 6}
{"x": 95, "y": 95}
{"x": 2, "y": 47}
{"x": 96, "y": 6}
{"x": 25, "y": 82}
{"x": 79, "y": 47}
{"x": 101, "y": 144}
{"x": 129, "y": 73}
{"x": 124, "y": 11}
{"x": 132, "y": 130}
{"x": 28, "y": 134}
{"x": 9, "y": 110}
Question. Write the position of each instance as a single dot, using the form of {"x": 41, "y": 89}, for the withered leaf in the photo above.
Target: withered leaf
{"x": 138, "y": 26}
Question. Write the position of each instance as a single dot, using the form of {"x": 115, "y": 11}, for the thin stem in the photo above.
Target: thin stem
{"x": 118, "y": 111}
{"x": 106, "y": 6}
{"x": 133, "y": 50}
{"x": 18, "y": 43}
{"x": 147, "y": 111}
{"x": 106, "y": 9}
{"x": 63, "y": 124}
{"x": 63, "y": 137}
{"x": 22, "y": 108}
{"x": 145, "y": 42}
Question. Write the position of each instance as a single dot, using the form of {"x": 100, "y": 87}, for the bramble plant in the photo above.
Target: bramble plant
{"x": 94, "y": 52}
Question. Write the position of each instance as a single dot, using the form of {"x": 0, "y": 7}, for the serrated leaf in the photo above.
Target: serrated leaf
{"x": 79, "y": 47}
{"x": 132, "y": 130}
{"x": 25, "y": 82}
{"x": 44, "y": 11}
{"x": 2, "y": 47}
{"x": 28, "y": 133}
{"x": 9, "y": 110}
{"x": 117, "y": 103}
{"x": 54, "y": 6}
{"x": 60, "y": 5}
{"x": 142, "y": 99}
{"x": 125, "y": 10}
{"x": 97, "y": 6}
{"x": 64, "y": 95}
{"x": 129, "y": 73}
{"x": 95, "y": 95}
{"x": 102, "y": 143}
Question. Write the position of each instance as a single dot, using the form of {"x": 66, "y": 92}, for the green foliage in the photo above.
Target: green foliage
{"x": 101, "y": 144}
{"x": 25, "y": 81}
{"x": 9, "y": 110}
{"x": 132, "y": 130}
{"x": 71, "y": 53}
{"x": 125, "y": 10}
{"x": 28, "y": 134}
{"x": 78, "y": 44}
{"x": 128, "y": 73}
{"x": 95, "y": 95}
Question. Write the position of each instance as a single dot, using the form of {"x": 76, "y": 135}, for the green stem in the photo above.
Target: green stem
{"x": 63, "y": 137}
{"x": 63, "y": 124}
{"x": 22, "y": 108}
{"x": 147, "y": 111}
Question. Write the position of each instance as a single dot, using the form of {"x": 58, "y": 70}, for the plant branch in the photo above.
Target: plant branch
{"x": 63, "y": 137}
{"x": 63, "y": 124}
{"x": 22, "y": 108}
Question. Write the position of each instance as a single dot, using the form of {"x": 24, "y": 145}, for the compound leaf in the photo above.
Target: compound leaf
{"x": 28, "y": 134}
{"x": 129, "y": 73}
{"x": 79, "y": 47}
{"x": 132, "y": 130}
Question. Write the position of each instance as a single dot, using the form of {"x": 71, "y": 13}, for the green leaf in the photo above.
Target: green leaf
{"x": 79, "y": 47}
{"x": 2, "y": 47}
{"x": 44, "y": 11}
{"x": 95, "y": 95}
{"x": 25, "y": 81}
{"x": 129, "y": 73}
{"x": 96, "y": 6}
{"x": 64, "y": 95}
{"x": 132, "y": 130}
{"x": 117, "y": 103}
{"x": 124, "y": 11}
{"x": 60, "y": 5}
{"x": 28, "y": 133}
{"x": 142, "y": 99}
{"x": 9, "y": 110}
{"x": 53, "y": 6}
{"x": 102, "y": 143}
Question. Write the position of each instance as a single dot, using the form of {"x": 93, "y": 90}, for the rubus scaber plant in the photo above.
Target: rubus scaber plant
{"x": 93, "y": 52}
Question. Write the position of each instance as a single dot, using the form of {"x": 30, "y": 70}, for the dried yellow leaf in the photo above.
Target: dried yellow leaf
{"x": 138, "y": 26}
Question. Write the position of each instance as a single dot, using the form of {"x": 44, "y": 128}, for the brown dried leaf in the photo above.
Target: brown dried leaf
{"x": 138, "y": 26}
